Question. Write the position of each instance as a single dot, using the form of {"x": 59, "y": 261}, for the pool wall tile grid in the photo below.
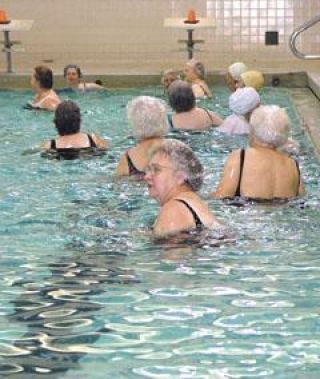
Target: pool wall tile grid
{"x": 128, "y": 35}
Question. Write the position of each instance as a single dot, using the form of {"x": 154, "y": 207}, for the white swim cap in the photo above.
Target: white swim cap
{"x": 236, "y": 69}
{"x": 244, "y": 100}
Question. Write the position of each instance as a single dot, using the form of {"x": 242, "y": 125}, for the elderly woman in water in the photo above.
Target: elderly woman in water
{"x": 148, "y": 119}
{"x": 195, "y": 73}
{"x": 262, "y": 171}
{"x": 74, "y": 79}
{"x": 233, "y": 75}
{"x": 187, "y": 115}
{"x": 174, "y": 175}
{"x": 42, "y": 82}
{"x": 67, "y": 120}
{"x": 168, "y": 77}
{"x": 242, "y": 103}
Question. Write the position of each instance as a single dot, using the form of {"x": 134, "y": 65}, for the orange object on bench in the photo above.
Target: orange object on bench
{"x": 3, "y": 17}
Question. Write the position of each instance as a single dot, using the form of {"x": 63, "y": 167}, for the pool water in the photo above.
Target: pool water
{"x": 86, "y": 292}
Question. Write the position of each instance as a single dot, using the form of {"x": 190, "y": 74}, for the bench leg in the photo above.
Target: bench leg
{"x": 190, "y": 44}
{"x": 7, "y": 46}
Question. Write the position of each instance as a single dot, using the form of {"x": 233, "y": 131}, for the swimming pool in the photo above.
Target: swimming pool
{"x": 86, "y": 293}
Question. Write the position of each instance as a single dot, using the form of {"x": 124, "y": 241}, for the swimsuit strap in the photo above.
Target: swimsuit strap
{"x": 132, "y": 168}
{"x": 203, "y": 89}
{"x": 242, "y": 155}
{"x": 196, "y": 218}
{"x": 91, "y": 140}
{"x": 53, "y": 144}
{"x": 170, "y": 121}
{"x": 209, "y": 115}
{"x": 299, "y": 175}
{"x": 48, "y": 96}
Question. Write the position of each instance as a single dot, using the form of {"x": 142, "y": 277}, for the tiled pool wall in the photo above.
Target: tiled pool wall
{"x": 128, "y": 36}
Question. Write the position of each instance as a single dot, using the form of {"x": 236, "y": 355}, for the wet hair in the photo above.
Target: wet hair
{"x": 183, "y": 160}
{"x": 181, "y": 96}
{"x": 77, "y": 68}
{"x": 67, "y": 118}
{"x": 147, "y": 117}
{"x": 44, "y": 76}
{"x": 198, "y": 68}
{"x": 270, "y": 125}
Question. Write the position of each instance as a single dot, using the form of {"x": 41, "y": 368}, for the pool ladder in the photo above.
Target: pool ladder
{"x": 294, "y": 35}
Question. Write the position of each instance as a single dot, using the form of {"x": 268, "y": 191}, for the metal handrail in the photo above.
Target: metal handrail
{"x": 294, "y": 35}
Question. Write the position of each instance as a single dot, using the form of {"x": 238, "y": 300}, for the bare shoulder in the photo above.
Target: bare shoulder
{"x": 216, "y": 119}
{"x": 100, "y": 142}
{"x": 173, "y": 218}
{"x": 45, "y": 145}
{"x": 233, "y": 157}
{"x": 122, "y": 168}
{"x": 94, "y": 86}
{"x": 230, "y": 177}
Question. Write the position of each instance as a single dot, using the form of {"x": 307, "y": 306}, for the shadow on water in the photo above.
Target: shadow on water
{"x": 60, "y": 315}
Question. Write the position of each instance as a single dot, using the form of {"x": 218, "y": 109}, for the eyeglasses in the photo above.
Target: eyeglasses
{"x": 155, "y": 169}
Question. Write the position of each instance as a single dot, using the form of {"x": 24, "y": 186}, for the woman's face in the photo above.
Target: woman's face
{"x": 231, "y": 83}
{"x": 161, "y": 177}
{"x": 72, "y": 76}
{"x": 189, "y": 72}
{"x": 167, "y": 79}
{"x": 34, "y": 82}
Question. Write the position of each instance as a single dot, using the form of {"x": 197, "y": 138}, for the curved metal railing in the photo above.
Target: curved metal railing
{"x": 294, "y": 35}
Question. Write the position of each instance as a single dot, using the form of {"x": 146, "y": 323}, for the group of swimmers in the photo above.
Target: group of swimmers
{"x": 172, "y": 171}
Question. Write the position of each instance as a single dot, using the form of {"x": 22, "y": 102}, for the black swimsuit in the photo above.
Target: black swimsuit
{"x": 53, "y": 145}
{"x": 70, "y": 153}
{"x": 133, "y": 170}
{"x": 170, "y": 121}
{"x": 196, "y": 219}
{"x": 242, "y": 156}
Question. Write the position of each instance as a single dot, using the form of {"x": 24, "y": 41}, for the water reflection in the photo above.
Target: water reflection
{"x": 60, "y": 314}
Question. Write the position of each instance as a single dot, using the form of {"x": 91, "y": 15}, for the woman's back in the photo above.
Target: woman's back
{"x": 136, "y": 158}
{"x": 195, "y": 119}
{"x": 267, "y": 174}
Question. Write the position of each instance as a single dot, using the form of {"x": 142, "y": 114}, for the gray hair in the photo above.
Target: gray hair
{"x": 270, "y": 125}
{"x": 173, "y": 74}
{"x": 184, "y": 160}
{"x": 198, "y": 68}
{"x": 148, "y": 117}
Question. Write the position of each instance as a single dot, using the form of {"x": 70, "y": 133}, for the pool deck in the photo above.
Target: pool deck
{"x": 306, "y": 98}
{"x": 307, "y": 102}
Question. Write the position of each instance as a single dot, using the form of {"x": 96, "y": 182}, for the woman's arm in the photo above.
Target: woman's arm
{"x": 173, "y": 218}
{"x": 45, "y": 145}
{"x": 216, "y": 119}
{"x": 122, "y": 168}
{"x": 230, "y": 177}
{"x": 100, "y": 142}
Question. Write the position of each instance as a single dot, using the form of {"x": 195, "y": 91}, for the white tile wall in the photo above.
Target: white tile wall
{"x": 127, "y": 36}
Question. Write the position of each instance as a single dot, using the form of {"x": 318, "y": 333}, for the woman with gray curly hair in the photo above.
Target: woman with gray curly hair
{"x": 195, "y": 74}
{"x": 262, "y": 171}
{"x": 148, "y": 119}
{"x": 174, "y": 175}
